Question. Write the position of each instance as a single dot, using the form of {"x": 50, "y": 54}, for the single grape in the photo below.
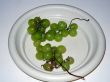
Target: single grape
{"x": 70, "y": 60}
{"x": 39, "y": 48}
{"x": 62, "y": 25}
{"x": 36, "y": 36}
{"x": 50, "y": 35}
{"x": 48, "y": 55}
{"x": 74, "y": 26}
{"x": 37, "y": 43}
{"x": 57, "y": 55}
{"x": 72, "y": 32}
{"x": 47, "y": 48}
{"x": 64, "y": 32}
{"x": 52, "y": 31}
{"x": 40, "y": 55}
{"x": 37, "y": 19}
{"x": 58, "y": 60}
{"x": 42, "y": 29}
{"x": 61, "y": 49}
{"x": 48, "y": 67}
{"x": 58, "y": 37}
{"x": 45, "y": 23}
{"x": 54, "y": 26}
{"x": 32, "y": 22}
{"x": 65, "y": 66}
{"x": 31, "y": 30}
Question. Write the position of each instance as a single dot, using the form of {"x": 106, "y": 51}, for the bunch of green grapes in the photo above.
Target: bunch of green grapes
{"x": 37, "y": 29}
{"x": 52, "y": 55}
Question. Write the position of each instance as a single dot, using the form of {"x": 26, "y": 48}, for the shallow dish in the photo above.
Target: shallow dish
{"x": 87, "y": 48}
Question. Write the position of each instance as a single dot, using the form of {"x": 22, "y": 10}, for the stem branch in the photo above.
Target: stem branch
{"x": 76, "y": 19}
{"x": 80, "y": 77}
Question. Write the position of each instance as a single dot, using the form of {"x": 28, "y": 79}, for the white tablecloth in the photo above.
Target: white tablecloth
{"x": 10, "y": 10}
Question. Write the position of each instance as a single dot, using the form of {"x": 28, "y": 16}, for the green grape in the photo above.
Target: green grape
{"x": 45, "y": 23}
{"x": 57, "y": 55}
{"x": 53, "y": 49}
{"x": 70, "y": 60}
{"x": 39, "y": 48}
{"x": 48, "y": 67}
{"x": 43, "y": 37}
{"x": 37, "y": 19}
{"x": 49, "y": 45}
{"x": 72, "y": 32}
{"x": 58, "y": 37}
{"x": 36, "y": 36}
{"x": 42, "y": 29}
{"x": 52, "y": 31}
{"x": 62, "y": 25}
{"x": 37, "y": 43}
{"x": 50, "y": 35}
{"x": 40, "y": 55}
{"x": 64, "y": 32}
{"x": 54, "y": 26}
{"x": 58, "y": 60}
{"x": 31, "y": 30}
{"x": 32, "y": 22}
{"x": 48, "y": 55}
{"x": 65, "y": 66}
{"x": 47, "y": 48}
{"x": 61, "y": 49}
{"x": 74, "y": 26}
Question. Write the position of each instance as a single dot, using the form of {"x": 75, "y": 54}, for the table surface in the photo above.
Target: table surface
{"x": 10, "y": 10}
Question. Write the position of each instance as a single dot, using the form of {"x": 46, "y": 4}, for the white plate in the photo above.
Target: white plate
{"x": 87, "y": 47}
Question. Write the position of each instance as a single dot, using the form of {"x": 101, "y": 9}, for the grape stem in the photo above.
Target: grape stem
{"x": 79, "y": 19}
{"x": 76, "y": 19}
{"x": 80, "y": 77}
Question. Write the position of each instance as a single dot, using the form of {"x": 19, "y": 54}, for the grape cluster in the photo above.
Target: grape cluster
{"x": 53, "y": 55}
